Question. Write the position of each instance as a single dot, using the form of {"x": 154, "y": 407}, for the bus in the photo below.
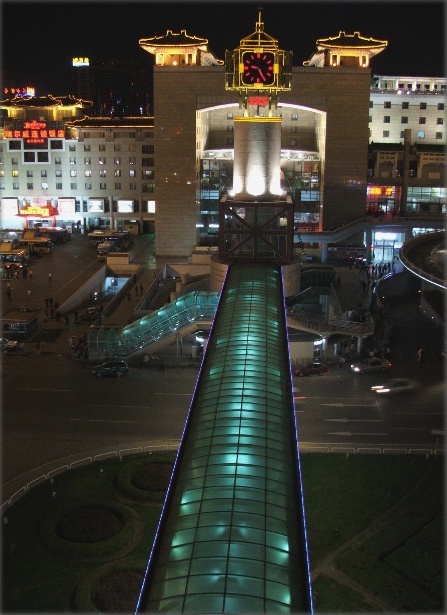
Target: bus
{"x": 54, "y": 234}
{"x": 39, "y": 245}
{"x": 124, "y": 239}
{"x": 12, "y": 259}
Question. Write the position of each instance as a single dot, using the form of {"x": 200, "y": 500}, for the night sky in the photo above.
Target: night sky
{"x": 39, "y": 39}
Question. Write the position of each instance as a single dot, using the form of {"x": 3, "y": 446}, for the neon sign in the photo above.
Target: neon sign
{"x": 381, "y": 191}
{"x": 259, "y": 101}
{"x": 35, "y": 209}
{"x": 20, "y": 92}
{"x": 81, "y": 62}
{"x": 35, "y": 133}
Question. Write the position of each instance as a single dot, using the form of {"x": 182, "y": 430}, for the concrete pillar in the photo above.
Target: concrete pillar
{"x": 368, "y": 243}
{"x": 324, "y": 252}
{"x": 257, "y": 158}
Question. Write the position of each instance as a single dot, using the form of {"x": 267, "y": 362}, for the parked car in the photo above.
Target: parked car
{"x": 308, "y": 370}
{"x": 9, "y": 346}
{"x": 396, "y": 385}
{"x": 90, "y": 314}
{"x": 370, "y": 365}
{"x": 111, "y": 368}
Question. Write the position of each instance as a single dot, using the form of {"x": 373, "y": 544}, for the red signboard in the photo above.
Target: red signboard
{"x": 259, "y": 101}
{"x": 35, "y": 132}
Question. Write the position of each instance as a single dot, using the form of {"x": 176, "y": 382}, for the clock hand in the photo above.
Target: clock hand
{"x": 261, "y": 73}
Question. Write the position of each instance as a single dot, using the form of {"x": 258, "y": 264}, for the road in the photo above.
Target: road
{"x": 53, "y": 408}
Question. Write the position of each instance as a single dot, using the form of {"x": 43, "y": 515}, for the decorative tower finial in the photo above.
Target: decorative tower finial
{"x": 259, "y": 23}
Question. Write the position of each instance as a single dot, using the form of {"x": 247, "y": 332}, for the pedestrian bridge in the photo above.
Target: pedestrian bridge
{"x": 232, "y": 535}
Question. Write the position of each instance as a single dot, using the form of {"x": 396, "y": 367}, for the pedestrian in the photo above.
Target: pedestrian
{"x": 50, "y": 277}
{"x": 129, "y": 297}
{"x": 342, "y": 361}
{"x": 141, "y": 289}
{"x": 420, "y": 354}
{"x": 29, "y": 292}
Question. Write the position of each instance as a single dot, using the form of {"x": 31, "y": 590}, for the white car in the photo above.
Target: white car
{"x": 396, "y": 385}
{"x": 371, "y": 365}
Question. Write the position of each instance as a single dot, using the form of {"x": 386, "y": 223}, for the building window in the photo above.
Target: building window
{"x": 440, "y": 106}
{"x": 132, "y": 173}
{"x": 147, "y": 174}
{"x": 422, "y": 105}
{"x": 58, "y": 173}
{"x": 438, "y": 135}
{"x": 132, "y": 186}
{"x": 44, "y": 186}
{"x": 102, "y": 148}
{"x": 58, "y": 160}
{"x": 15, "y": 186}
{"x": 230, "y": 142}
{"x": 72, "y": 148}
{"x": 147, "y": 187}
{"x": 29, "y": 173}
{"x": 132, "y": 147}
{"x": 56, "y": 144}
{"x": 117, "y": 172}
{"x": 102, "y": 186}
{"x": 27, "y": 157}
{"x": 15, "y": 145}
{"x": 230, "y": 129}
{"x": 422, "y": 120}
{"x": 16, "y": 160}
{"x": 404, "y": 120}
{"x": 73, "y": 173}
{"x": 405, "y": 105}
{"x": 43, "y": 174}
{"x": 88, "y": 186}
{"x": 133, "y": 160}
{"x": 370, "y": 119}
{"x": 102, "y": 173}
{"x": 371, "y": 104}
{"x": 386, "y": 119}
{"x": 101, "y": 160}
{"x": 86, "y": 148}
{"x": 117, "y": 186}
{"x": 440, "y": 120}
{"x": 74, "y": 186}
{"x": 42, "y": 157}
{"x": 294, "y": 117}
{"x": 15, "y": 173}
{"x": 387, "y": 104}
{"x": 2, "y": 186}
{"x": 229, "y": 116}
{"x": 29, "y": 186}
{"x": 2, "y": 174}
{"x": 147, "y": 162}
{"x": 117, "y": 160}
{"x": 147, "y": 149}
{"x": 72, "y": 160}
{"x": 294, "y": 129}
{"x": 386, "y": 133}
{"x": 117, "y": 148}
{"x": 87, "y": 173}
{"x": 292, "y": 141}
{"x": 58, "y": 185}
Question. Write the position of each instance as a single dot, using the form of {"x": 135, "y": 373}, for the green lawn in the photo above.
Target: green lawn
{"x": 379, "y": 520}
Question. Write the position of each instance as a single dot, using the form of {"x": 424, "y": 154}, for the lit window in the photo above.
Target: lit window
{"x": 43, "y": 174}
{"x": 73, "y": 173}
{"x": 72, "y": 160}
{"x": 15, "y": 173}
{"x": 132, "y": 173}
{"x": 102, "y": 160}
{"x": 132, "y": 161}
{"x": 88, "y": 186}
{"x": 102, "y": 173}
{"x": 44, "y": 186}
{"x": 117, "y": 160}
{"x": 117, "y": 172}
{"x": 87, "y": 173}
{"x": 58, "y": 173}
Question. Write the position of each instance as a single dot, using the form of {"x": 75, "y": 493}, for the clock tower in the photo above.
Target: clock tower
{"x": 256, "y": 218}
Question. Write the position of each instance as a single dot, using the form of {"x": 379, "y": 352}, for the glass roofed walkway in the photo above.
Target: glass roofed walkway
{"x": 231, "y": 537}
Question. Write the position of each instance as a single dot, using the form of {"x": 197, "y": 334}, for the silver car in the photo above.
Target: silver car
{"x": 370, "y": 365}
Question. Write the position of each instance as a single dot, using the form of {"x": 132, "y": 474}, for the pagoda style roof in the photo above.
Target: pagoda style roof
{"x": 173, "y": 39}
{"x": 45, "y": 101}
{"x": 350, "y": 41}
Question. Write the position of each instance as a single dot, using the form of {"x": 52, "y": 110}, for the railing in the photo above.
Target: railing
{"x": 413, "y": 243}
{"x": 325, "y": 324}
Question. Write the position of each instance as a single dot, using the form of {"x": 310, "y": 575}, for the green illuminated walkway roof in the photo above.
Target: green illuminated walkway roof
{"x": 231, "y": 537}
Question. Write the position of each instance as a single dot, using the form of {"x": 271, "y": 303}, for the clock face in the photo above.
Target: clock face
{"x": 258, "y": 68}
